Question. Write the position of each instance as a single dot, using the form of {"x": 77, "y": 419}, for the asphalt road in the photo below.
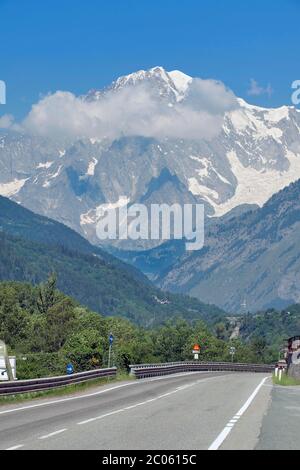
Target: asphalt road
{"x": 189, "y": 412}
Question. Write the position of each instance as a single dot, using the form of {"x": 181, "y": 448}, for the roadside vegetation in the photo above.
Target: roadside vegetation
{"x": 286, "y": 380}
{"x": 46, "y": 330}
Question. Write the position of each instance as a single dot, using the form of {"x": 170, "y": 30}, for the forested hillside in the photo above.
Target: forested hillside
{"x": 46, "y": 330}
{"x": 32, "y": 246}
{"x": 272, "y": 326}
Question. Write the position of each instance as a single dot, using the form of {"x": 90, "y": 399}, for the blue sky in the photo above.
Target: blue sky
{"x": 77, "y": 45}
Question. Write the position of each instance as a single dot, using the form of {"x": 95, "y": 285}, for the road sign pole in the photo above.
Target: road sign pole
{"x": 109, "y": 356}
{"x": 111, "y": 340}
{"x": 232, "y": 352}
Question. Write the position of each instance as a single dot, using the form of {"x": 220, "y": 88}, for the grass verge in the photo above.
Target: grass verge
{"x": 286, "y": 380}
{"x": 65, "y": 390}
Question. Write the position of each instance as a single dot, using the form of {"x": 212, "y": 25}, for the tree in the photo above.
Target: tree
{"x": 47, "y": 294}
{"x": 258, "y": 347}
{"x": 60, "y": 323}
{"x": 170, "y": 340}
{"x": 220, "y": 330}
{"x": 85, "y": 349}
{"x": 13, "y": 323}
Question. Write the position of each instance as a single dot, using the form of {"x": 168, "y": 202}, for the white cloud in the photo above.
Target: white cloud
{"x": 6, "y": 121}
{"x": 132, "y": 111}
{"x": 256, "y": 90}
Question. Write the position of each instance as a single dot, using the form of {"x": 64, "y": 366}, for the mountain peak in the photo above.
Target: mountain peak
{"x": 173, "y": 83}
{"x": 180, "y": 80}
{"x": 132, "y": 78}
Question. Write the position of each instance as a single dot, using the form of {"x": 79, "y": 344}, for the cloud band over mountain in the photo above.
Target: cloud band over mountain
{"x": 131, "y": 111}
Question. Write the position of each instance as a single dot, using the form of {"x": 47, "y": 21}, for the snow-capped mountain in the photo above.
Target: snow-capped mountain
{"x": 254, "y": 154}
{"x": 168, "y": 85}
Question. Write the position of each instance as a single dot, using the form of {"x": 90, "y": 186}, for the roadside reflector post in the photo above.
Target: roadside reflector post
{"x": 276, "y": 371}
{"x": 280, "y": 374}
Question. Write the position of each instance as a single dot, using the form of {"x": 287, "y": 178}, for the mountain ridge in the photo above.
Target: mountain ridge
{"x": 255, "y": 154}
{"x": 32, "y": 246}
{"x": 253, "y": 257}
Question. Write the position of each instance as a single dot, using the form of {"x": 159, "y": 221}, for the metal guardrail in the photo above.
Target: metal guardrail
{"x": 48, "y": 383}
{"x": 138, "y": 370}
{"x": 151, "y": 370}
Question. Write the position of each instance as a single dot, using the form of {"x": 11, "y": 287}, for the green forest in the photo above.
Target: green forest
{"x": 46, "y": 329}
{"x": 32, "y": 246}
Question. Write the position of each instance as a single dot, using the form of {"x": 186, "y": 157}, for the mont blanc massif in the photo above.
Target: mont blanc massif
{"x": 164, "y": 137}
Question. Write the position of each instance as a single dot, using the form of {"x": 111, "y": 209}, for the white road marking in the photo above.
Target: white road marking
{"x": 221, "y": 438}
{"x": 102, "y": 416}
{"x": 16, "y": 447}
{"x": 63, "y": 400}
{"x": 223, "y": 434}
{"x": 99, "y": 392}
{"x": 251, "y": 398}
{"x": 131, "y": 407}
{"x": 53, "y": 433}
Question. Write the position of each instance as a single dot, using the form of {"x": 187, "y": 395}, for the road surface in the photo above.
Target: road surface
{"x": 188, "y": 411}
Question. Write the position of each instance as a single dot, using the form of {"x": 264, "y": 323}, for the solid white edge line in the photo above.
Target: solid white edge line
{"x": 53, "y": 433}
{"x": 220, "y": 439}
{"x": 99, "y": 392}
{"x": 15, "y": 447}
{"x": 224, "y": 433}
{"x": 251, "y": 398}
